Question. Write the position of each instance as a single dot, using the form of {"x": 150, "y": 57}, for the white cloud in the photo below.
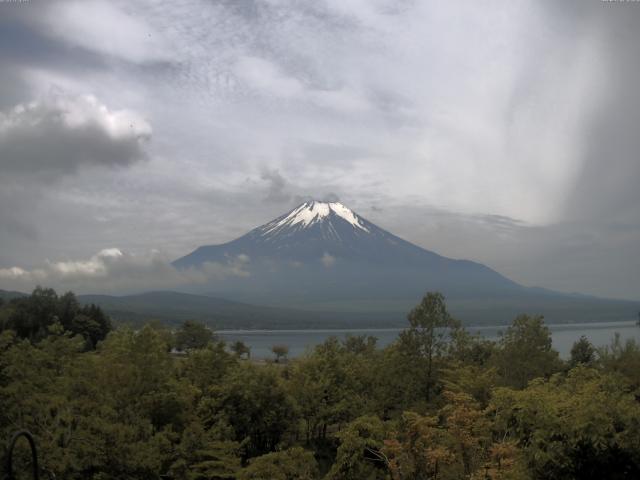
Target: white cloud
{"x": 115, "y": 271}
{"x": 264, "y": 76}
{"x": 107, "y": 28}
{"x": 267, "y": 78}
{"x": 96, "y": 266}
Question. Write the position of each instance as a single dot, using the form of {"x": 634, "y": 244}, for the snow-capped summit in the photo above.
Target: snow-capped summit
{"x": 306, "y": 234}
{"x": 311, "y": 213}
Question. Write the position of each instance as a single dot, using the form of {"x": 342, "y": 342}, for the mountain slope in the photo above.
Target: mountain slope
{"x": 319, "y": 246}
{"x": 314, "y": 229}
{"x": 324, "y": 256}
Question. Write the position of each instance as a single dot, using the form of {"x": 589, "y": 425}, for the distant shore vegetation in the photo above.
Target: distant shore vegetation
{"x": 438, "y": 403}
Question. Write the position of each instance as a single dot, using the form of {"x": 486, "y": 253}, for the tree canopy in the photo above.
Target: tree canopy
{"x": 32, "y": 317}
{"x": 438, "y": 403}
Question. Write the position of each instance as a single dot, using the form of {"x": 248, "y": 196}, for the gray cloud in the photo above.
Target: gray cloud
{"x": 60, "y": 134}
{"x": 330, "y": 197}
{"x": 280, "y": 191}
{"x": 13, "y": 89}
{"x": 606, "y": 188}
{"x": 276, "y": 191}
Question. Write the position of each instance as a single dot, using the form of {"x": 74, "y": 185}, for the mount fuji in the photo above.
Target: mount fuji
{"x": 324, "y": 256}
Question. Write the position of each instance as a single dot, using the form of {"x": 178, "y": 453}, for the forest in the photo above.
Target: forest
{"x": 439, "y": 403}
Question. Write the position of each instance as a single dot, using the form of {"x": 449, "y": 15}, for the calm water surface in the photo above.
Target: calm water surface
{"x": 299, "y": 341}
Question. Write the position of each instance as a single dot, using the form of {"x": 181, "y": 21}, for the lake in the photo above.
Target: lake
{"x": 299, "y": 341}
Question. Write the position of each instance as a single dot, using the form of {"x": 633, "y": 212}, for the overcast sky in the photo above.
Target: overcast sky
{"x": 502, "y": 132}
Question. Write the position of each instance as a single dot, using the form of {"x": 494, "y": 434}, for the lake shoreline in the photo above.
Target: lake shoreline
{"x": 300, "y": 341}
{"x": 226, "y": 331}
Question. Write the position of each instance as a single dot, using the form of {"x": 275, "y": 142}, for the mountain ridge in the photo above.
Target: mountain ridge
{"x": 173, "y": 307}
{"x": 324, "y": 256}
{"x": 315, "y": 221}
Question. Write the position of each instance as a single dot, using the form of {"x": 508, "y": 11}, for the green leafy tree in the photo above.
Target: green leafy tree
{"x": 241, "y": 349}
{"x": 136, "y": 365}
{"x": 582, "y": 353}
{"x": 280, "y": 351}
{"x": 204, "y": 455}
{"x": 360, "y": 344}
{"x": 473, "y": 380}
{"x": 253, "y": 401}
{"x": 468, "y": 349}
{"x": 467, "y": 368}
{"x": 582, "y": 425}
{"x": 359, "y": 455}
{"x": 293, "y": 464}
{"x": 165, "y": 332}
{"x": 97, "y": 327}
{"x": 413, "y": 365}
{"x": 329, "y": 387}
{"x": 192, "y": 335}
{"x": 622, "y": 358}
{"x": 525, "y": 352}
{"x": 30, "y": 317}
{"x": 207, "y": 367}
{"x": 57, "y": 392}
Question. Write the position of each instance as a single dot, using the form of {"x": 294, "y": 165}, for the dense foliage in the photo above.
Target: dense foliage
{"x": 437, "y": 404}
{"x": 32, "y": 317}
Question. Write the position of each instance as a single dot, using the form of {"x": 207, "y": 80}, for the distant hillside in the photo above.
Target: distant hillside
{"x": 8, "y": 294}
{"x": 174, "y": 307}
{"x": 556, "y": 308}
